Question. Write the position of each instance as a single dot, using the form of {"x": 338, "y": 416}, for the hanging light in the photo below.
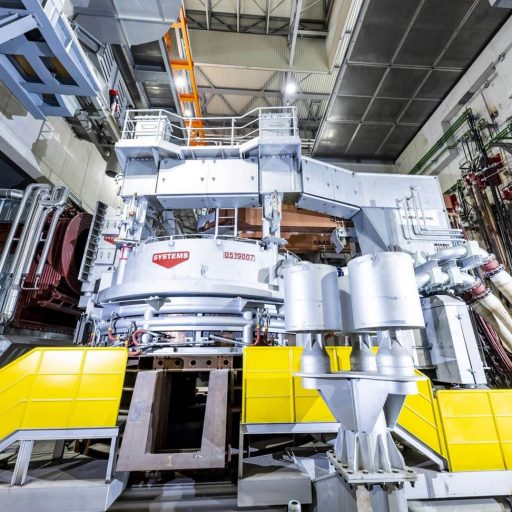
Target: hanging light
{"x": 291, "y": 88}
{"x": 180, "y": 81}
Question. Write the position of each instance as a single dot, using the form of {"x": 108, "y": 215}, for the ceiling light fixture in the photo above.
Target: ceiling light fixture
{"x": 291, "y": 88}
{"x": 180, "y": 81}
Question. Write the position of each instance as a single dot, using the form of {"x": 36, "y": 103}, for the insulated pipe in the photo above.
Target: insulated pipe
{"x": 422, "y": 279}
{"x": 47, "y": 244}
{"x": 14, "y": 227}
{"x": 496, "y": 308}
{"x": 503, "y": 282}
{"x": 451, "y": 253}
{"x": 10, "y": 193}
{"x": 29, "y": 241}
{"x": 235, "y": 323}
{"x": 58, "y": 203}
{"x": 504, "y": 335}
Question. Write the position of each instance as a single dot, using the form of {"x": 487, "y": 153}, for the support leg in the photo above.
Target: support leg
{"x": 58, "y": 449}
{"x": 22, "y": 462}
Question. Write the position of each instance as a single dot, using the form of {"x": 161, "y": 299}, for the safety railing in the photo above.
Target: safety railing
{"x": 162, "y": 125}
{"x": 195, "y": 236}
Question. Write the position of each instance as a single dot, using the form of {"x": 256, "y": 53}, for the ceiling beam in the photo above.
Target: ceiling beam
{"x": 294, "y": 27}
{"x": 261, "y": 93}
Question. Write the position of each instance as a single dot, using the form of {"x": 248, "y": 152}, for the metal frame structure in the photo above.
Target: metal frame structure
{"x": 26, "y": 438}
{"x": 183, "y": 68}
{"x": 220, "y": 131}
{"x": 150, "y": 403}
{"x": 44, "y": 77}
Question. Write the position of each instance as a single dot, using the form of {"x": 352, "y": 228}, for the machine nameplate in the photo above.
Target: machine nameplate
{"x": 170, "y": 259}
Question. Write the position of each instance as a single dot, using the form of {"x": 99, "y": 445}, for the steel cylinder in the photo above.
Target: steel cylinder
{"x": 384, "y": 292}
{"x": 311, "y": 298}
{"x": 347, "y": 317}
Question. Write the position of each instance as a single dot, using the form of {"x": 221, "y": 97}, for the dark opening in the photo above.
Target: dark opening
{"x": 182, "y": 427}
{"x": 56, "y": 68}
{"x": 24, "y": 68}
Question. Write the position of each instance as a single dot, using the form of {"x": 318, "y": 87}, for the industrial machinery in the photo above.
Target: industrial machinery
{"x": 233, "y": 338}
{"x": 44, "y": 235}
{"x": 196, "y": 309}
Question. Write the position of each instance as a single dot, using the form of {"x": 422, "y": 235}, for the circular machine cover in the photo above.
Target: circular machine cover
{"x": 384, "y": 292}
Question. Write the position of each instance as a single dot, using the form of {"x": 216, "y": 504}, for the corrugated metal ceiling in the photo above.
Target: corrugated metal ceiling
{"x": 405, "y": 57}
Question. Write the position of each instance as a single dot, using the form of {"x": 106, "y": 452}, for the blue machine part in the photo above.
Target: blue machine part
{"x": 41, "y": 60}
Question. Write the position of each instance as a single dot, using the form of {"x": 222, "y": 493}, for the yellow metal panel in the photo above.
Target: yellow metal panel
{"x": 470, "y": 432}
{"x": 464, "y": 402}
{"x": 312, "y": 409}
{"x": 271, "y": 393}
{"x": 268, "y": 384}
{"x": 501, "y": 403}
{"x": 269, "y": 358}
{"x": 419, "y": 418}
{"x": 342, "y": 358}
{"x": 61, "y": 361}
{"x": 91, "y": 413}
{"x": 475, "y": 457}
{"x": 269, "y": 410}
{"x": 472, "y": 429}
{"x": 94, "y": 385}
{"x": 60, "y": 387}
{"x": 298, "y": 390}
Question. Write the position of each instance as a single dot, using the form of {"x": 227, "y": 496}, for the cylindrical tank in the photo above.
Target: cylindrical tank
{"x": 311, "y": 298}
{"x": 384, "y": 292}
{"x": 347, "y": 318}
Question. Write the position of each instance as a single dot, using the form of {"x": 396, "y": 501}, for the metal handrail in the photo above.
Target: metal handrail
{"x": 195, "y": 236}
{"x": 216, "y": 130}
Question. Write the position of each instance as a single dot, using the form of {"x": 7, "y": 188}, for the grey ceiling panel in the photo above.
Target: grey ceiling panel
{"x": 386, "y": 110}
{"x": 407, "y": 55}
{"x": 361, "y": 80}
{"x": 401, "y": 83}
{"x": 438, "y": 84}
{"x": 418, "y": 111}
{"x": 430, "y": 33}
{"x": 478, "y": 29}
{"x": 367, "y": 140}
{"x": 330, "y": 149}
{"x": 396, "y": 141}
{"x": 336, "y": 137}
{"x": 382, "y": 29}
{"x": 348, "y": 109}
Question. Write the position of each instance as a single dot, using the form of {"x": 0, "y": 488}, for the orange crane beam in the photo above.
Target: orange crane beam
{"x": 188, "y": 96}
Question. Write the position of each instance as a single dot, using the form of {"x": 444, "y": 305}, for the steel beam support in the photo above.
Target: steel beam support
{"x": 15, "y": 26}
{"x": 294, "y": 27}
{"x": 269, "y": 12}
{"x": 19, "y": 474}
{"x": 224, "y": 100}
